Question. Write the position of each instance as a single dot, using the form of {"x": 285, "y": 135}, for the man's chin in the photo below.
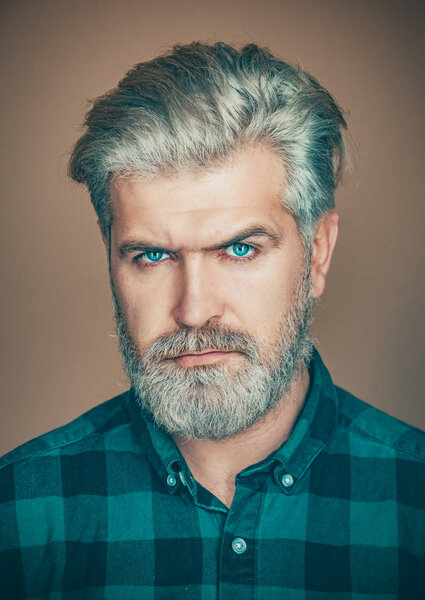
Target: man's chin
{"x": 203, "y": 407}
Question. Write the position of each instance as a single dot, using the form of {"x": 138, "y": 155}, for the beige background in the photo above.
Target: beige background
{"x": 59, "y": 353}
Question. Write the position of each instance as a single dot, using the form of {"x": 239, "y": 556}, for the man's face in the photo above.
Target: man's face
{"x": 210, "y": 262}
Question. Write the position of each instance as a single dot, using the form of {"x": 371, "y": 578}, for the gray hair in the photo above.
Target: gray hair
{"x": 192, "y": 107}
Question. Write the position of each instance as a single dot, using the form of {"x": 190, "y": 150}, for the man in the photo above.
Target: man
{"x": 233, "y": 468}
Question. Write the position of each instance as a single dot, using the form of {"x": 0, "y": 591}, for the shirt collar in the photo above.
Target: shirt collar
{"x": 313, "y": 429}
{"x": 162, "y": 452}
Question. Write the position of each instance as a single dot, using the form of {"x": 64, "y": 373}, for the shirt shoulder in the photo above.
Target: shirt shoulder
{"x": 95, "y": 422}
{"x": 377, "y": 427}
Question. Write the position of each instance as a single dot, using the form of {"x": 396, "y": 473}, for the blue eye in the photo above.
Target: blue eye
{"x": 241, "y": 249}
{"x": 153, "y": 255}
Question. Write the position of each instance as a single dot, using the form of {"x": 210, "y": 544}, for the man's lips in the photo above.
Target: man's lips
{"x": 201, "y": 358}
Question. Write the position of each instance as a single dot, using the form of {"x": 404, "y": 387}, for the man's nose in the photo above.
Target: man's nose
{"x": 197, "y": 299}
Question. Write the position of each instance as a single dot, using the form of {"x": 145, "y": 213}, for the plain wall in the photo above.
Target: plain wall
{"x": 59, "y": 350}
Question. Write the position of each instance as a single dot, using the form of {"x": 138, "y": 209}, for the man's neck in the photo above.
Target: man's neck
{"x": 215, "y": 464}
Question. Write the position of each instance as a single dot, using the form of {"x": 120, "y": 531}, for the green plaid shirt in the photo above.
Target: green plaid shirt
{"x": 105, "y": 508}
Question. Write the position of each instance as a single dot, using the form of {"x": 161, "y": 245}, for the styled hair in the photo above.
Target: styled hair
{"x": 193, "y": 106}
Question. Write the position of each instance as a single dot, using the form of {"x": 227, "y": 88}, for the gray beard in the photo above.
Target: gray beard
{"x": 216, "y": 401}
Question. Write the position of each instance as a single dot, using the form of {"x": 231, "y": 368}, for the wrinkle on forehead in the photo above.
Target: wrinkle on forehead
{"x": 221, "y": 213}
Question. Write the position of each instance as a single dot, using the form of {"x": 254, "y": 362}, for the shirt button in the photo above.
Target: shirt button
{"x": 171, "y": 480}
{"x": 287, "y": 480}
{"x": 239, "y": 545}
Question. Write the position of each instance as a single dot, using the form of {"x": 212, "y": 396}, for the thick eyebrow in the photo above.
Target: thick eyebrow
{"x": 254, "y": 231}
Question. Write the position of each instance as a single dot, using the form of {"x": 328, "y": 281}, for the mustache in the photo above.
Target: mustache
{"x": 208, "y": 338}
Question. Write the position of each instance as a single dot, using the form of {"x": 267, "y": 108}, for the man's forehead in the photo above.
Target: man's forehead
{"x": 249, "y": 183}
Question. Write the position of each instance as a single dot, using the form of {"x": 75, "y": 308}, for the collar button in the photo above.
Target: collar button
{"x": 287, "y": 480}
{"x": 171, "y": 480}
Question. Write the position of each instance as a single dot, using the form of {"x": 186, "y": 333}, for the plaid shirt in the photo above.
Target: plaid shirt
{"x": 106, "y": 508}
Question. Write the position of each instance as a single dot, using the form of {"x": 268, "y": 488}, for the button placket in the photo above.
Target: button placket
{"x": 238, "y": 555}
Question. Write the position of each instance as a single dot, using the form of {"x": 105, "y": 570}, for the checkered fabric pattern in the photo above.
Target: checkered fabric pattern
{"x": 106, "y": 508}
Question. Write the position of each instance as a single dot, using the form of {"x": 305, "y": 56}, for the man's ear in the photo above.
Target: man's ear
{"x": 322, "y": 250}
